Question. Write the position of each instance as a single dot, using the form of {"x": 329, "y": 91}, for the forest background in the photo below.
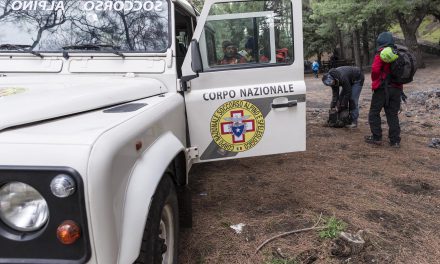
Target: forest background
{"x": 349, "y": 28}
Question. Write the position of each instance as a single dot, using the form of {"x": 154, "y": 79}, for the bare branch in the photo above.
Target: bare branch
{"x": 314, "y": 227}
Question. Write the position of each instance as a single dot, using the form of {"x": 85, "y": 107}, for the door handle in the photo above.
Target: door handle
{"x": 288, "y": 104}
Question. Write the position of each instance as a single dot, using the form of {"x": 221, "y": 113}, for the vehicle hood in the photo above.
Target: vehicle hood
{"x": 38, "y": 98}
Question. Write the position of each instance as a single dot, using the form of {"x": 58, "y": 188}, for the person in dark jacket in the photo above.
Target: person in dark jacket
{"x": 386, "y": 94}
{"x": 351, "y": 79}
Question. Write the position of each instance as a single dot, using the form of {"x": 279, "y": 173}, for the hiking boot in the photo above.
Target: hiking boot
{"x": 395, "y": 145}
{"x": 372, "y": 140}
{"x": 352, "y": 125}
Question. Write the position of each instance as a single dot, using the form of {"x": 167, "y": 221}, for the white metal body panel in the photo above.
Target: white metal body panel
{"x": 285, "y": 129}
{"x": 30, "y": 65}
{"x": 138, "y": 193}
{"x": 114, "y": 164}
{"x": 105, "y": 65}
{"x": 58, "y": 120}
{"x": 186, "y": 6}
{"x": 119, "y": 180}
{"x": 46, "y": 97}
{"x": 72, "y": 130}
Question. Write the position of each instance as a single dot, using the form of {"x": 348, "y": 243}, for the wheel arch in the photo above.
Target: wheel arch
{"x": 166, "y": 153}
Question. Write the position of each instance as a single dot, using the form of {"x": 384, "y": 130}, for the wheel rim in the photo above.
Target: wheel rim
{"x": 167, "y": 234}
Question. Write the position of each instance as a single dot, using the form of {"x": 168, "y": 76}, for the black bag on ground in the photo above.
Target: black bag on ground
{"x": 339, "y": 119}
{"x": 404, "y": 68}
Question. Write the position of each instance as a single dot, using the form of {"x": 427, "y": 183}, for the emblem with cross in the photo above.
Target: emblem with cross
{"x": 237, "y": 126}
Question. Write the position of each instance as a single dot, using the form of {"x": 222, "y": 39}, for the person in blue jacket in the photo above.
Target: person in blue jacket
{"x": 315, "y": 68}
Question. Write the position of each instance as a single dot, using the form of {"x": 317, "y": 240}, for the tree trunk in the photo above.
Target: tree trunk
{"x": 341, "y": 44}
{"x": 409, "y": 29}
{"x": 357, "y": 49}
{"x": 365, "y": 44}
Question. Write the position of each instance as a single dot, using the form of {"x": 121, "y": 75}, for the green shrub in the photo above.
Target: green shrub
{"x": 332, "y": 229}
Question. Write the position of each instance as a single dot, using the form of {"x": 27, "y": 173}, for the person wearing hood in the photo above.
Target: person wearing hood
{"x": 386, "y": 95}
{"x": 351, "y": 79}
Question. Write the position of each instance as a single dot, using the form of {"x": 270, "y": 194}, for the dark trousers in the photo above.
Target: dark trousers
{"x": 391, "y": 111}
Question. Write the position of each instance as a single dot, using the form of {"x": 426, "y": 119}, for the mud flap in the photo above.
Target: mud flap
{"x": 185, "y": 207}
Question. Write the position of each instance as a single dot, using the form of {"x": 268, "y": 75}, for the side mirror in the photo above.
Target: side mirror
{"x": 196, "y": 65}
{"x": 196, "y": 57}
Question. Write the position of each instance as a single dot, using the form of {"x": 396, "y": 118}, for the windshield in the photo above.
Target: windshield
{"x": 54, "y": 26}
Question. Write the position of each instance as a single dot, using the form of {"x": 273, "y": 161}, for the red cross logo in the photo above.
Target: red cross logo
{"x": 238, "y": 123}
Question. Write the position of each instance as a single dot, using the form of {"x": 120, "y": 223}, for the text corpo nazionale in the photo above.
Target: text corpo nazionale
{"x": 89, "y": 5}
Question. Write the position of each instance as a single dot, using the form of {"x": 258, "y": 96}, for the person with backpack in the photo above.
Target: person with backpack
{"x": 351, "y": 79}
{"x": 388, "y": 73}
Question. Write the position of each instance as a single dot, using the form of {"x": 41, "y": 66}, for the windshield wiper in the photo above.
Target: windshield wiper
{"x": 23, "y": 48}
{"x": 97, "y": 47}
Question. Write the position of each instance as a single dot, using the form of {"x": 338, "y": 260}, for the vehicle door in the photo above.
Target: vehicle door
{"x": 243, "y": 80}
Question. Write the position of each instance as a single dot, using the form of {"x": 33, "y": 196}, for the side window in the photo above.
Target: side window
{"x": 184, "y": 31}
{"x": 246, "y": 34}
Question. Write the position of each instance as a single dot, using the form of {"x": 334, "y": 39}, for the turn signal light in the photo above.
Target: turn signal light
{"x": 68, "y": 232}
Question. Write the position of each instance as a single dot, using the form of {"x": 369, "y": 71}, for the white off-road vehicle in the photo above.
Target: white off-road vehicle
{"x": 105, "y": 105}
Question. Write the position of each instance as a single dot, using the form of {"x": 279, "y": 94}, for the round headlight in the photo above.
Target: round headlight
{"x": 62, "y": 186}
{"x": 22, "y": 207}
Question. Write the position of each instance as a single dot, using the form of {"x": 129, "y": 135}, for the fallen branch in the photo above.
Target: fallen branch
{"x": 314, "y": 227}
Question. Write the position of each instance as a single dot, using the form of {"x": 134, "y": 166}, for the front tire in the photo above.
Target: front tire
{"x": 160, "y": 239}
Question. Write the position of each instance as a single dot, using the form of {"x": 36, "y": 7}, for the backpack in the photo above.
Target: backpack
{"x": 338, "y": 119}
{"x": 404, "y": 67}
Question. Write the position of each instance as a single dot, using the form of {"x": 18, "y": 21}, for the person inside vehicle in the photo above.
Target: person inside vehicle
{"x": 351, "y": 79}
{"x": 250, "y": 52}
{"x": 231, "y": 55}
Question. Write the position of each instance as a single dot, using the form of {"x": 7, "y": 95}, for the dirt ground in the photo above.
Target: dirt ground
{"x": 393, "y": 195}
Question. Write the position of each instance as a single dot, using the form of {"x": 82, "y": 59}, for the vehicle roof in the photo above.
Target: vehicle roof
{"x": 187, "y": 6}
